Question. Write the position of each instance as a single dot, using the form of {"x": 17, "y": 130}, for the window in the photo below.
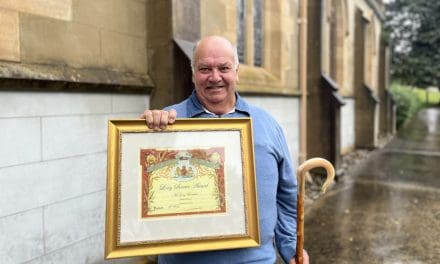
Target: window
{"x": 258, "y": 32}
{"x": 241, "y": 29}
{"x": 250, "y": 36}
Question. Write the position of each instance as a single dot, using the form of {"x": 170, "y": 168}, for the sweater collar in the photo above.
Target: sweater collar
{"x": 195, "y": 108}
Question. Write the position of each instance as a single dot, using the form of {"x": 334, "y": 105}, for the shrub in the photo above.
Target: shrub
{"x": 407, "y": 101}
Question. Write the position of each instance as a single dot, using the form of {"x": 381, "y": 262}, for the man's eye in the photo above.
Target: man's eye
{"x": 204, "y": 70}
{"x": 225, "y": 69}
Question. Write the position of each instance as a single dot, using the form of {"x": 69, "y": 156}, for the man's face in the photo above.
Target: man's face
{"x": 215, "y": 75}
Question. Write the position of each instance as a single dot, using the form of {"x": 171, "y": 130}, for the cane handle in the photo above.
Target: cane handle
{"x": 316, "y": 163}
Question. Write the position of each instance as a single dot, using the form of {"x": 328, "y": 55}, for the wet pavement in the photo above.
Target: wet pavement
{"x": 387, "y": 208}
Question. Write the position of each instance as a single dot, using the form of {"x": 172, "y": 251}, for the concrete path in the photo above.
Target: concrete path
{"x": 389, "y": 209}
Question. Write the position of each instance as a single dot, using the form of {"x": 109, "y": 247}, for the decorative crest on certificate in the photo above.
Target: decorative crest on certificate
{"x": 182, "y": 181}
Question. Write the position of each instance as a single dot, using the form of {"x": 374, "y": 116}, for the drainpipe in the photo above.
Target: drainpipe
{"x": 303, "y": 80}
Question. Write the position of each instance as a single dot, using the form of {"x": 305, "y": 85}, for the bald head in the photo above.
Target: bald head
{"x": 213, "y": 44}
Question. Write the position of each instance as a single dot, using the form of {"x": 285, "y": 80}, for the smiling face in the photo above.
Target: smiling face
{"x": 215, "y": 74}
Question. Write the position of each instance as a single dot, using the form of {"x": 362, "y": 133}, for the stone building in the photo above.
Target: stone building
{"x": 68, "y": 66}
{"x": 347, "y": 77}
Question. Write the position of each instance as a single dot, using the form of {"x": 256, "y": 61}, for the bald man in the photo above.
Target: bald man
{"x": 215, "y": 76}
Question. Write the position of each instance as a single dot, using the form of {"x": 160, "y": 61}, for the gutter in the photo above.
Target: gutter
{"x": 303, "y": 80}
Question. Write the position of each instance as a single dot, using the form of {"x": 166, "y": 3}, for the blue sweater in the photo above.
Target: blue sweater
{"x": 277, "y": 190}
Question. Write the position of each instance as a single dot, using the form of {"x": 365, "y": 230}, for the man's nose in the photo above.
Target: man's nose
{"x": 215, "y": 75}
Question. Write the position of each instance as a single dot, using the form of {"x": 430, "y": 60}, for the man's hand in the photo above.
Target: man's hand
{"x": 305, "y": 258}
{"x": 159, "y": 119}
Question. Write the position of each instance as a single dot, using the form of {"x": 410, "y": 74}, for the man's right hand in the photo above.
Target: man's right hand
{"x": 159, "y": 119}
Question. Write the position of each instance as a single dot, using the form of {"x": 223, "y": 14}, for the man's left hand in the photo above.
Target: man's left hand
{"x": 305, "y": 258}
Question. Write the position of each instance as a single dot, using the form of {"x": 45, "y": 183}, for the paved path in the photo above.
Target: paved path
{"x": 389, "y": 210}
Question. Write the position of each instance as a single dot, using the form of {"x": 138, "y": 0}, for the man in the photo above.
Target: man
{"x": 215, "y": 75}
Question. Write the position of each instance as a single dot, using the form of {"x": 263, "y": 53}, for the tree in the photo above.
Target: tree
{"x": 414, "y": 32}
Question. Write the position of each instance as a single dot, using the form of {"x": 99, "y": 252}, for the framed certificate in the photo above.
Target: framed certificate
{"x": 190, "y": 187}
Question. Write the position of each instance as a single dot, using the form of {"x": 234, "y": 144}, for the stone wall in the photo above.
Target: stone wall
{"x": 66, "y": 68}
{"x": 53, "y": 173}
{"x": 338, "y": 19}
{"x": 286, "y": 111}
{"x": 75, "y": 36}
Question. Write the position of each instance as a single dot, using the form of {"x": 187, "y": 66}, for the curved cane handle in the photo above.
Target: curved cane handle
{"x": 301, "y": 174}
{"x": 316, "y": 163}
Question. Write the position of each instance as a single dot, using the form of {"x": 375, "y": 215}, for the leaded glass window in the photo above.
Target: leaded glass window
{"x": 241, "y": 29}
{"x": 258, "y": 32}
{"x": 247, "y": 45}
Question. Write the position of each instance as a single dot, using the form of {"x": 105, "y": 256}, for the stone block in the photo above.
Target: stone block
{"x": 124, "y": 116}
{"x": 70, "y": 221}
{"x": 22, "y": 236}
{"x": 18, "y": 104}
{"x": 277, "y": 106}
{"x": 59, "y": 9}
{"x": 348, "y": 125}
{"x": 186, "y": 20}
{"x": 123, "y": 52}
{"x": 90, "y": 250}
{"x": 123, "y": 16}
{"x": 215, "y": 16}
{"x": 69, "y": 136}
{"x": 34, "y": 185}
{"x": 50, "y": 41}
{"x": 10, "y": 36}
{"x": 136, "y": 103}
{"x": 20, "y": 141}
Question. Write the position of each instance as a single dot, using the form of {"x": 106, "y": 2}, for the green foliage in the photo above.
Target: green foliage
{"x": 412, "y": 26}
{"x": 407, "y": 101}
{"x": 428, "y": 98}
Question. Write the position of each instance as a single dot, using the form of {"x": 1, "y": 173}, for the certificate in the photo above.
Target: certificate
{"x": 190, "y": 187}
{"x": 185, "y": 181}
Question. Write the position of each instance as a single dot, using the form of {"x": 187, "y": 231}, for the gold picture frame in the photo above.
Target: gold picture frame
{"x": 190, "y": 187}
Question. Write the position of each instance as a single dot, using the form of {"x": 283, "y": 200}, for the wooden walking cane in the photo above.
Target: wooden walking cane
{"x": 301, "y": 175}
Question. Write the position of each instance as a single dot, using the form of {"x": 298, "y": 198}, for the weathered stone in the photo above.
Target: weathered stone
{"x": 9, "y": 36}
{"x": 133, "y": 103}
{"x": 186, "y": 20}
{"x": 70, "y": 221}
{"x": 22, "y": 236}
{"x": 277, "y": 106}
{"x": 122, "y": 16}
{"x": 68, "y": 136}
{"x": 58, "y": 42}
{"x": 20, "y": 140}
{"x": 89, "y": 250}
{"x": 39, "y": 104}
{"x": 38, "y": 184}
{"x": 24, "y": 76}
{"x": 124, "y": 53}
{"x": 217, "y": 24}
{"x": 347, "y": 124}
{"x": 59, "y": 9}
